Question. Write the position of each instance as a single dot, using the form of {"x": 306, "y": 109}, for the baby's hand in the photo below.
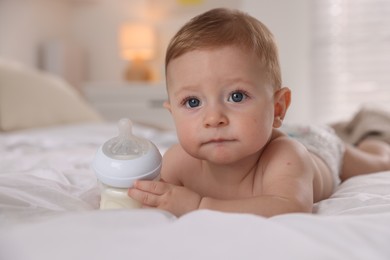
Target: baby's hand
{"x": 176, "y": 199}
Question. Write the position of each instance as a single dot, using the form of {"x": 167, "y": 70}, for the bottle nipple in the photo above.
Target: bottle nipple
{"x": 125, "y": 146}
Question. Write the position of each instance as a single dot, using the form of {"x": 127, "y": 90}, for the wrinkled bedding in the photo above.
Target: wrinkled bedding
{"x": 49, "y": 199}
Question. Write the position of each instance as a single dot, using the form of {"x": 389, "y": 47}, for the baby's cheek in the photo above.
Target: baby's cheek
{"x": 189, "y": 143}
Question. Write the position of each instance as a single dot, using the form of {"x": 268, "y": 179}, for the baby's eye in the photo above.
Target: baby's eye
{"x": 237, "y": 96}
{"x": 192, "y": 102}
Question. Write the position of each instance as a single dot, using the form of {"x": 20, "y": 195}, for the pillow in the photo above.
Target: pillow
{"x": 30, "y": 98}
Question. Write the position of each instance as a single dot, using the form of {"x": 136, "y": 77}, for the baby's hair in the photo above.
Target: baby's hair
{"x": 224, "y": 27}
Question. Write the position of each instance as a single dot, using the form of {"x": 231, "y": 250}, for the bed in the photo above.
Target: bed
{"x": 49, "y": 198}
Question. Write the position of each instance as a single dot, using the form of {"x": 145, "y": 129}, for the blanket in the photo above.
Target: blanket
{"x": 369, "y": 121}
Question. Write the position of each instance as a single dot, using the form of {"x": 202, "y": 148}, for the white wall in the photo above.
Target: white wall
{"x": 94, "y": 24}
{"x": 23, "y": 25}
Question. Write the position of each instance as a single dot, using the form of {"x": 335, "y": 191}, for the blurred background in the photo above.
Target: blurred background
{"x": 335, "y": 54}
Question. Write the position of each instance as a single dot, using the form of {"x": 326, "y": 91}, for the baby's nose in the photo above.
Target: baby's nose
{"x": 215, "y": 117}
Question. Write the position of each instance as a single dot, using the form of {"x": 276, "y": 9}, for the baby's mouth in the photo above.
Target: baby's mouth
{"x": 219, "y": 141}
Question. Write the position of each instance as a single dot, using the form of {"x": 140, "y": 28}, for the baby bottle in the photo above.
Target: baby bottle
{"x": 122, "y": 160}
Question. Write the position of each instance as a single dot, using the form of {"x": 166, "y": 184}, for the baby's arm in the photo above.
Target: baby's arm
{"x": 169, "y": 193}
{"x": 158, "y": 194}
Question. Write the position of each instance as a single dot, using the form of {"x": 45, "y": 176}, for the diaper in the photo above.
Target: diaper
{"x": 322, "y": 141}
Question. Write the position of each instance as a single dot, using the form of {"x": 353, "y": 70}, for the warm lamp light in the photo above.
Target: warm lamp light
{"x": 137, "y": 43}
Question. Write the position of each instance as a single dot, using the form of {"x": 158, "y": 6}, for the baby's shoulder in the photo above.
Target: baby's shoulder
{"x": 284, "y": 161}
{"x": 282, "y": 147}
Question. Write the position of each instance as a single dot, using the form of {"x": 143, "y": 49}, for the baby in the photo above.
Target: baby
{"x": 228, "y": 104}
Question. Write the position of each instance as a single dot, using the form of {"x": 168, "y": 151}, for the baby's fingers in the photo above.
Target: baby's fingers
{"x": 155, "y": 187}
{"x": 144, "y": 197}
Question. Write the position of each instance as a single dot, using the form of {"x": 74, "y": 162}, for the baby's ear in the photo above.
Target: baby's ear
{"x": 282, "y": 100}
{"x": 167, "y": 105}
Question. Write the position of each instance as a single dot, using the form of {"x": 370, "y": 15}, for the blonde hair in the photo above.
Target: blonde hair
{"x": 224, "y": 27}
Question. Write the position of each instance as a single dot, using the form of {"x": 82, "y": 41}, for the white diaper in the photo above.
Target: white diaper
{"x": 322, "y": 141}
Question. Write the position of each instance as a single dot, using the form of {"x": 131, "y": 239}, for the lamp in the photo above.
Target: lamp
{"x": 137, "y": 46}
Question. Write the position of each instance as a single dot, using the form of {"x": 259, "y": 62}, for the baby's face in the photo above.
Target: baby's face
{"x": 221, "y": 105}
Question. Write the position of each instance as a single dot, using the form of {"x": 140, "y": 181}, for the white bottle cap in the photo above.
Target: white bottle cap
{"x": 126, "y": 158}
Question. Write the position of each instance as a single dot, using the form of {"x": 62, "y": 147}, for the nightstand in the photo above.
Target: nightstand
{"x": 140, "y": 102}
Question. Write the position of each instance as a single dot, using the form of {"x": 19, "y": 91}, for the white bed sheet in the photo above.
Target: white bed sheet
{"x": 49, "y": 197}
